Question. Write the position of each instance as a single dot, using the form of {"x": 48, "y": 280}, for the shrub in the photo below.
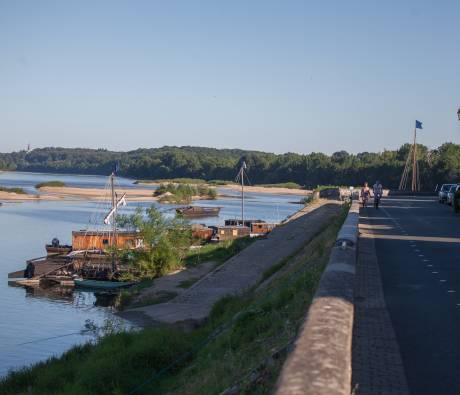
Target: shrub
{"x": 50, "y": 184}
{"x": 12, "y": 190}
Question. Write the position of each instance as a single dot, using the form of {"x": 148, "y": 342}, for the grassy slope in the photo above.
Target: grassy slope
{"x": 250, "y": 329}
{"x": 212, "y": 252}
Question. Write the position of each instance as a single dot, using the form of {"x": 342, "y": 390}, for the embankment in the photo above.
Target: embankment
{"x": 240, "y": 348}
{"x": 241, "y": 272}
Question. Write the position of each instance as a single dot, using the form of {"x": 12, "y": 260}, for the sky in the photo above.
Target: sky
{"x": 277, "y": 76}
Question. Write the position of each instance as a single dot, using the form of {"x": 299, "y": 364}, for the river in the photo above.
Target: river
{"x": 36, "y": 324}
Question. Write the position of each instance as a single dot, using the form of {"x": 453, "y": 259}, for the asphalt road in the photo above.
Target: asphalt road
{"x": 417, "y": 243}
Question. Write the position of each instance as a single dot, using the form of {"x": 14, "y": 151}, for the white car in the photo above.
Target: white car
{"x": 442, "y": 195}
{"x": 450, "y": 195}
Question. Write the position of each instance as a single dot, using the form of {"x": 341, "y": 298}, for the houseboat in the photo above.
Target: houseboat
{"x": 236, "y": 228}
{"x": 92, "y": 254}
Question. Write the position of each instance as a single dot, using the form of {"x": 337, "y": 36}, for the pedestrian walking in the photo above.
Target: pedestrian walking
{"x": 378, "y": 192}
{"x": 365, "y": 193}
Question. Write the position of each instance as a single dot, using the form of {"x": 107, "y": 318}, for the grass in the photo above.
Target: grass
{"x": 126, "y": 296}
{"x": 214, "y": 252}
{"x": 13, "y": 190}
{"x": 50, "y": 184}
{"x": 288, "y": 185}
{"x": 233, "y": 349}
{"x": 217, "y": 252}
{"x": 160, "y": 297}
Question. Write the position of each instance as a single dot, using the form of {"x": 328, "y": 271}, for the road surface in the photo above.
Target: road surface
{"x": 417, "y": 243}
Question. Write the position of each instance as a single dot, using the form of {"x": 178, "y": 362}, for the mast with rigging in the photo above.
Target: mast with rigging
{"x": 240, "y": 178}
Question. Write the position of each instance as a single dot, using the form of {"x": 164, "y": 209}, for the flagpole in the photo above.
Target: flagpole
{"x": 414, "y": 165}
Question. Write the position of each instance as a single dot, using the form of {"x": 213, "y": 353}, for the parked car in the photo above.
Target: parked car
{"x": 450, "y": 195}
{"x": 443, "y": 192}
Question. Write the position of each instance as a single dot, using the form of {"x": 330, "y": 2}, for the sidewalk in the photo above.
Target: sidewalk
{"x": 377, "y": 367}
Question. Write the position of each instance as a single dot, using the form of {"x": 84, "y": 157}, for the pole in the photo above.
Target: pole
{"x": 414, "y": 164}
{"x": 114, "y": 220}
{"x": 242, "y": 196}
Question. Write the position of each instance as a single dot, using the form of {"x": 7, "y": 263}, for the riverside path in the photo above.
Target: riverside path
{"x": 242, "y": 271}
{"x": 417, "y": 250}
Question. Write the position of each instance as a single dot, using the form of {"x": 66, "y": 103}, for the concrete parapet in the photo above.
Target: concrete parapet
{"x": 320, "y": 363}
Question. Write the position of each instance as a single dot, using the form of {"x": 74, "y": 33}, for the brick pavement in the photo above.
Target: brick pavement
{"x": 377, "y": 366}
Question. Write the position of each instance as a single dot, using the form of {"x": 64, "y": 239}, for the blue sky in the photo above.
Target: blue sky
{"x": 277, "y": 76}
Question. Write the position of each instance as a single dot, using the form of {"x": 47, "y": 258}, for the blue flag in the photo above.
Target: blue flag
{"x": 418, "y": 125}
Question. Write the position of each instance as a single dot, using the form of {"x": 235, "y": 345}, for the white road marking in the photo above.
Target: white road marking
{"x": 434, "y": 272}
{"x": 443, "y": 281}
{"x": 450, "y": 291}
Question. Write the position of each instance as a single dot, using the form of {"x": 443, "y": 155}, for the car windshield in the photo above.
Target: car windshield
{"x": 446, "y": 187}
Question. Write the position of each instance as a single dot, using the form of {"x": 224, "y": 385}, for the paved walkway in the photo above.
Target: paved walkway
{"x": 240, "y": 272}
{"x": 417, "y": 245}
{"x": 377, "y": 363}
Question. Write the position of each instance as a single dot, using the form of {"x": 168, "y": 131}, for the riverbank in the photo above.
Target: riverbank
{"x": 274, "y": 190}
{"x": 240, "y": 347}
{"x": 133, "y": 194}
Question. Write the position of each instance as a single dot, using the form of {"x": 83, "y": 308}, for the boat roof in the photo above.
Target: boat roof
{"x": 104, "y": 232}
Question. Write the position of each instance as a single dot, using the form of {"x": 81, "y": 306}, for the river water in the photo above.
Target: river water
{"x": 36, "y": 324}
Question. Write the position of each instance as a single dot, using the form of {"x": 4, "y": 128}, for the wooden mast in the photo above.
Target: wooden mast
{"x": 242, "y": 194}
{"x": 114, "y": 220}
{"x": 415, "y": 178}
{"x": 411, "y": 162}
{"x": 240, "y": 178}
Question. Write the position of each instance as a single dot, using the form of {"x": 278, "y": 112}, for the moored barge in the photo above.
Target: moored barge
{"x": 198, "y": 211}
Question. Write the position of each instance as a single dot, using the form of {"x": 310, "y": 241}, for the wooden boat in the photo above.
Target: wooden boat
{"x": 103, "y": 285}
{"x": 201, "y": 233}
{"x": 223, "y": 233}
{"x": 235, "y": 228}
{"x": 59, "y": 249}
{"x": 198, "y": 211}
{"x": 92, "y": 253}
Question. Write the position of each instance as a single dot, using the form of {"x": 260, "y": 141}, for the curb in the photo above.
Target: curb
{"x": 320, "y": 363}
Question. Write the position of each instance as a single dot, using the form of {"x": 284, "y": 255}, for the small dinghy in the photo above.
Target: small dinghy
{"x": 103, "y": 285}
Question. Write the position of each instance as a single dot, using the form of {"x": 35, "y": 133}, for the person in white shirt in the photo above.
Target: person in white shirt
{"x": 378, "y": 192}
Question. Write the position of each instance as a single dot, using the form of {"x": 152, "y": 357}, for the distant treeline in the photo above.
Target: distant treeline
{"x": 341, "y": 168}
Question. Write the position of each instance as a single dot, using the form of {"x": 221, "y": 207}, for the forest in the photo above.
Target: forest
{"x": 309, "y": 170}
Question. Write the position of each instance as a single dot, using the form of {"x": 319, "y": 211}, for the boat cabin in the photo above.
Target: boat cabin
{"x": 223, "y": 233}
{"x": 239, "y": 222}
{"x": 91, "y": 240}
{"x": 201, "y": 233}
{"x": 261, "y": 228}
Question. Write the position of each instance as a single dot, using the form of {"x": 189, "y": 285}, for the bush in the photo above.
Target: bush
{"x": 50, "y": 184}
{"x": 183, "y": 193}
{"x": 167, "y": 242}
{"x": 13, "y": 190}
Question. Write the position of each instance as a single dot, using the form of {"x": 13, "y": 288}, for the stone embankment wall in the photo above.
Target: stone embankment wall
{"x": 320, "y": 363}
